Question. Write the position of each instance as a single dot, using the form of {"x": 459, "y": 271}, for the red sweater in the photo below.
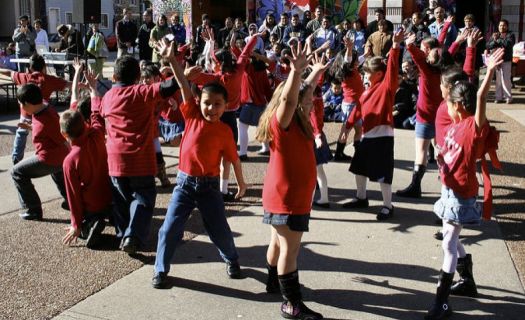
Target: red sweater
{"x": 231, "y": 80}
{"x": 377, "y": 102}
{"x": 86, "y": 170}
{"x": 353, "y": 87}
{"x": 48, "y": 84}
{"x": 129, "y": 111}
{"x": 429, "y": 94}
{"x": 50, "y": 146}
{"x": 204, "y": 143}
{"x": 255, "y": 87}
{"x": 291, "y": 173}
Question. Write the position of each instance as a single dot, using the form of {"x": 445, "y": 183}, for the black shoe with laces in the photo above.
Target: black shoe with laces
{"x": 356, "y": 203}
{"x": 298, "y": 311}
{"x": 129, "y": 245}
{"x": 243, "y": 157}
{"x": 385, "y": 213}
{"x": 228, "y": 197}
{"x": 31, "y": 215}
{"x": 92, "y": 232}
{"x": 233, "y": 269}
{"x": 159, "y": 280}
{"x": 64, "y": 205}
{"x": 324, "y": 205}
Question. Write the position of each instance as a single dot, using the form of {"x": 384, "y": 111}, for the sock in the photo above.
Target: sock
{"x": 360, "y": 182}
{"x": 243, "y": 138}
{"x": 450, "y": 247}
{"x": 323, "y": 184}
{"x": 386, "y": 191}
{"x": 264, "y": 147}
{"x": 224, "y": 186}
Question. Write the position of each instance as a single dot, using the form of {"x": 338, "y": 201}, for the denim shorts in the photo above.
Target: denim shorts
{"x": 425, "y": 130}
{"x": 250, "y": 114}
{"x": 296, "y": 222}
{"x": 456, "y": 210}
{"x": 346, "y": 109}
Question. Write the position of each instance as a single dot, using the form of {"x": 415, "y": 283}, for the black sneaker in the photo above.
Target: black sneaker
{"x": 159, "y": 280}
{"x": 298, "y": 311}
{"x": 438, "y": 311}
{"x": 129, "y": 245}
{"x": 263, "y": 153}
{"x": 31, "y": 215}
{"x": 356, "y": 203}
{"x": 93, "y": 233}
{"x": 341, "y": 157}
{"x": 243, "y": 157}
{"x": 228, "y": 197}
{"x": 385, "y": 213}
{"x": 64, "y": 205}
{"x": 233, "y": 269}
{"x": 324, "y": 205}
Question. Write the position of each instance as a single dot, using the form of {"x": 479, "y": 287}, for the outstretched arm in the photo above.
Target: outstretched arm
{"x": 168, "y": 50}
{"x": 493, "y": 61}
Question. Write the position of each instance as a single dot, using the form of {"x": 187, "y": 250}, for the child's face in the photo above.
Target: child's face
{"x": 150, "y": 80}
{"x": 425, "y": 48}
{"x": 374, "y": 77}
{"x": 239, "y": 43}
{"x": 212, "y": 106}
{"x": 336, "y": 89}
{"x": 28, "y": 107}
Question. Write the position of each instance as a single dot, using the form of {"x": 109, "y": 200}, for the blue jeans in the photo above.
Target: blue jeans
{"x": 191, "y": 192}
{"x": 19, "y": 145}
{"x": 134, "y": 199}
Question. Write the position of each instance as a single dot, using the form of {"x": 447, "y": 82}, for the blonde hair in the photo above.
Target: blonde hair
{"x": 264, "y": 133}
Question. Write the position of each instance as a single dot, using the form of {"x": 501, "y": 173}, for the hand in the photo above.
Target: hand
{"x": 450, "y": 19}
{"x": 71, "y": 235}
{"x": 399, "y": 36}
{"x": 318, "y": 142}
{"x": 320, "y": 62}
{"x": 77, "y": 64}
{"x": 462, "y": 36}
{"x": 298, "y": 59}
{"x": 495, "y": 35}
{"x": 241, "y": 190}
{"x": 166, "y": 49}
{"x": 24, "y": 125}
{"x": 192, "y": 72}
{"x": 325, "y": 45}
{"x": 349, "y": 43}
{"x": 411, "y": 39}
{"x": 91, "y": 79}
{"x": 495, "y": 59}
{"x": 473, "y": 38}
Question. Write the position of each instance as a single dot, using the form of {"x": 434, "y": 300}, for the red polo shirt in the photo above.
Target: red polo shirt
{"x": 48, "y": 84}
{"x": 50, "y": 146}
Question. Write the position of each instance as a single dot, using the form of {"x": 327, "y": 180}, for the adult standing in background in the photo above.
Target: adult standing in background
{"x": 70, "y": 43}
{"x": 223, "y": 37}
{"x": 358, "y": 34}
{"x": 145, "y": 51}
{"x": 24, "y": 36}
{"x": 41, "y": 41}
{"x": 379, "y": 42}
{"x": 126, "y": 33}
{"x": 315, "y": 24}
{"x": 178, "y": 29}
{"x": 380, "y": 16}
{"x": 157, "y": 33}
{"x": 503, "y": 38}
{"x": 436, "y": 27}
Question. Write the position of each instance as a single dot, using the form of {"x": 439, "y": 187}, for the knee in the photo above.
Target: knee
{"x": 449, "y": 245}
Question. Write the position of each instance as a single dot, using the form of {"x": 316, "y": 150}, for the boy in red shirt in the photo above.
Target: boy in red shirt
{"x": 50, "y": 150}
{"x": 48, "y": 84}
{"x": 86, "y": 170}
{"x": 129, "y": 112}
{"x": 205, "y": 141}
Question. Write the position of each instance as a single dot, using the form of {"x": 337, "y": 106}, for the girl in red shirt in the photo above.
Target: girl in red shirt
{"x": 464, "y": 143}
{"x": 290, "y": 180}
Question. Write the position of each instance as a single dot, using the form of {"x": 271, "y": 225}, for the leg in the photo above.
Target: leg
{"x": 466, "y": 286}
{"x": 122, "y": 198}
{"x": 414, "y": 188}
{"x": 243, "y": 138}
{"x": 506, "y": 75}
{"x": 450, "y": 246}
{"x": 272, "y": 257}
{"x": 289, "y": 245}
{"x": 323, "y": 185}
{"x": 141, "y": 208}
{"x": 58, "y": 178}
{"x": 360, "y": 201}
{"x": 499, "y": 83}
{"x": 19, "y": 145}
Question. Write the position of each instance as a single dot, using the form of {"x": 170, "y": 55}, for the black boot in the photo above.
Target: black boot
{"x": 431, "y": 154}
{"x": 440, "y": 308}
{"x": 414, "y": 188}
{"x": 340, "y": 155}
{"x": 466, "y": 285}
{"x": 272, "y": 283}
{"x": 293, "y": 306}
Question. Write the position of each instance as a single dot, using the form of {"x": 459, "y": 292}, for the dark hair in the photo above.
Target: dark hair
{"x": 442, "y": 59}
{"x": 453, "y": 74}
{"x": 38, "y": 21}
{"x": 336, "y": 82}
{"x": 431, "y": 42}
{"x": 340, "y": 69}
{"x": 127, "y": 70}
{"x": 284, "y": 14}
{"x": 29, "y": 93}
{"x": 72, "y": 123}
{"x": 84, "y": 107}
{"x": 295, "y": 15}
{"x": 382, "y": 23}
{"x": 286, "y": 52}
{"x": 327, "y": 18}
{"x": 469, "y": 16}
{"x": 150, "y": 71}
{"x": 226, "y": 59}
{"x": 505, "y": 21}
{"x": 379, "y": 10}
{"x": 216, "y": 88}
{"x": 374, "y": 64}
{"x": 465, "y": 93}
{"x": 37, "y": 63}
{"x": 204, "y": 17}
{"x": 23, "y": 17}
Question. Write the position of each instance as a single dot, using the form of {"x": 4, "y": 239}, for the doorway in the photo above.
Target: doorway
{"x": 54, "y": 20}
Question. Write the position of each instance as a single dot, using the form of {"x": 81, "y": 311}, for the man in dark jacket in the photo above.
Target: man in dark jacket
{"x": 126, "y": 33}
{"x": 145, "y": 51}
{"x": 70, "y": 43}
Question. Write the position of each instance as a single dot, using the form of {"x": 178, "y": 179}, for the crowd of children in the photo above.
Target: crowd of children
{"x": 104, "y": 152}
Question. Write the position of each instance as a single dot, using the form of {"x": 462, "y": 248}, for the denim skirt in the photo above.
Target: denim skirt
{"x": 456, "y": 210}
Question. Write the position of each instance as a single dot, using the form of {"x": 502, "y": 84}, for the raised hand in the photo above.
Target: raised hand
{"x": 298, "y": 60}
{"x": 166, "y": 49}
{"x": 462, "y": 36}
{"x": 411, "y": 39}
{"x": 78, "y": 65}
{"x": 192, "y": 72}
{"x": 320, "y": 62}
{"x": 495, "y": 59}
{"x": 474, "y": 37}
{"x": 349, "y": 43}
{"x": 399, "y": 36}
{"x": 91, "y": 79}
{"x": 450, "y": 19}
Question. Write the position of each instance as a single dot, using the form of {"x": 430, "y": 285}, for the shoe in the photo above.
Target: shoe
{"x": 385, "y": 213}
{"x": 414, "y": 188}
{"x": 356, "y": 203}
{"x": 508, "y": 101}
{"x": 129, "y": 245}
{"x": 65, "y": 205}
{"x": 28, "y": 215}
{"x": 325, "y": 205}
{"x": 298, "y": 311}
{"x": 466, "y": 286}
{"x": 93, "y": 233}
{"x": 440, "y": 308}
{"x": 243, "y": 157}
{"x": 159, "y": 280}
{"x": 341, "y": 157}
{"x": 439, "y": 311}
{"x": 233, "y": 269}
{"x": 498, "y": 101}
{"x": 228, "y": 197}
{"x": 438, "y": 235}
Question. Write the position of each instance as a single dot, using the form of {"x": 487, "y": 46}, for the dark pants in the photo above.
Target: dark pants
{"x": 230, "y": 119}
{"x": 30, "y": 168}
{"x": 191, "y": 192}
{"x": 134, "y": 199}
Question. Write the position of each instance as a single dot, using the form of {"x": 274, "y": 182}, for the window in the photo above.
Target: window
{"x": 117, "y": 1}
{"x": 104, "y": 21}
{"x": 133, "y": 2}
{"x": 69, "y": 18}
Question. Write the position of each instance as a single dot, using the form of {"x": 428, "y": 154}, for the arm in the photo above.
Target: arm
{"x": 418, "y": 56}
{"x": 18, "y": 35}
{"x": 392, "y": 69}
{"x": 7, "y": 73}
{"x": 73, "y": 187}
{"x": 493, "y": 61}
{"x": 97, "y": 121}
{"x": 244, "y": 58}
{"x": 470, "y": 58}
{"x": 241, "y": 185}
{"x": 168, "y": 50}
{"x": 77, "y": 64}
{"x": 443, "y": 34}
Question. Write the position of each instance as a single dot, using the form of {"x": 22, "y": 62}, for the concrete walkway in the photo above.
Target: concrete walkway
{"x": 352, "y": 267}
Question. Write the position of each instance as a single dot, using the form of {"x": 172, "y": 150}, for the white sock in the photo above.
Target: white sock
{"x": 264, "y": 147}
{"x": 360, "y": 182}
{"x": 323, "y": 184}
{"x": 224, "y": 186}
{"x": 450, "y": 247}
{"x": 243, "y": 138}
{"x": 386, "y": 191}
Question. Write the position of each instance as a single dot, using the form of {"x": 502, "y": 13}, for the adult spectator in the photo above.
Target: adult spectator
{"x": 239, "y": 28}
{"x": 418, "y": 28}
{"x": 126, "y": 33}
{"x": 178, "y": 29}
{"x": 307, "y": 16}
{"x": 24, "y": 36}
{"x": 223, "y": 37}
{"x": 71, "y": 44}
{"x": 470, "y": 26}
{"x": 259, "y": 45}
{"x": 145, "y": 51}
{"x": 198, "y": 41}
{"x": 266, "y": 27}
{"x": 96, "y": 49}
{"x": 374, "y": 25}
{"x": 429, "y": 11}
{"x": 315, "y": 24}
{"x": 41, "y": 40}
{"x": 295, "y": 30}
{"x": 325, "y": 34}
{"x": 157, "y": 33}
{"x": 279, "y": 29}
{"x": 503, "y": 38}
{"x": 379, "y": 42}
{"x": 436, "y": 27}
{"x": 358, "y": 34}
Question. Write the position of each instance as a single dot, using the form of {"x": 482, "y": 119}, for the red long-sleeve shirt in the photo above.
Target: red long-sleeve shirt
{"x": 86, "y": 170}
{"x": 50, "y": 146}
{"x": 317, "y": 116}
{"x": 255, "y": 87}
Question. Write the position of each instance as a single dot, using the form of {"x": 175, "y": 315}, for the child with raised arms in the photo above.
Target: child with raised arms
{"x": 205, "y": 141}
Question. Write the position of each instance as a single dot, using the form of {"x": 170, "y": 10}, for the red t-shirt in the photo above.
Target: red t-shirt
{"x": 255, "y": 87}
{"x": 48, "y": 84}
{"x": 317, "y": 115}
{"x": 353, "y": 87}
{"x": 129, "y": 111}
{"x": 86, "y": 170}
{"x": 463, "y": 144}
{"x": 291, "y": 174}
{"x": 50, "y": 146}
{"x": 204, "y": 143}
{"x": 170, "y": 110}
